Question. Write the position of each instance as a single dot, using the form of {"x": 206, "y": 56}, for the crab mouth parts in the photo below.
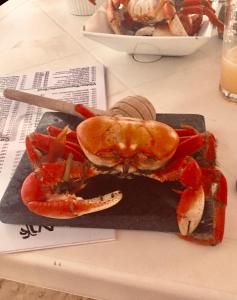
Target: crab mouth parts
{"x": 71, "y": 187}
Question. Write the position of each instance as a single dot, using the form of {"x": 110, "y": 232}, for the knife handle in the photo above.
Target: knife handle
{"x": 49, "y": 103}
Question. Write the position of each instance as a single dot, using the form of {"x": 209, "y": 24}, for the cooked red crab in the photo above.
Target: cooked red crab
{"x": 65, "y": 159}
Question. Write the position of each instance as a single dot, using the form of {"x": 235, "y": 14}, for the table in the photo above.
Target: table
{"x": 137, "y": 265}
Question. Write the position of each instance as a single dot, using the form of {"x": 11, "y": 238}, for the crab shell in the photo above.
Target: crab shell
{"x": 126, "y": 144}
{"x": 148, "y": 10}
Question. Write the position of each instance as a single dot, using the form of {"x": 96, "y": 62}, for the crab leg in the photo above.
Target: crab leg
{"x": 205, "y": 3}
{"x": 37, "y": 144}
{"x": 204, "y": 142}
{"x": 84, "y": 111}
{"x": 191, "y": 23}
{"x": 117, "y": 3}
{"x": 55, "y": 131}
{"x": 215, "y": 186}
{"x": 186, "y": 131}
{"x": 191, "y": 205}
{"x": 202, "y": 10}
{"x": 175, "y": 25}
{"x": 113, "y": 16}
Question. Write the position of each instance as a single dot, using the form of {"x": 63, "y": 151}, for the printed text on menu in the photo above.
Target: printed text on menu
{"x": 79, "y": 85}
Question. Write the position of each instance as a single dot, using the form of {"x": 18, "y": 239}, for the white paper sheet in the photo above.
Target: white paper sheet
{"x": 16, "y": 238}
{"x": 84, "y": 85}
{"x": 80, "y": 85}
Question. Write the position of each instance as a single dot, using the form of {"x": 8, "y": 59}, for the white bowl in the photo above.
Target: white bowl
{"x": 98, "y": 29}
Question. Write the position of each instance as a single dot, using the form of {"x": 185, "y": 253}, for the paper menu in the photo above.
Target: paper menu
{"x": 84, "y": 85}
{"x": 16, "y": 238}
{"x": 80, "y": 85}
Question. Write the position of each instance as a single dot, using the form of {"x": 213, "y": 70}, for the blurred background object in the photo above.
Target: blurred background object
{"x": 228, "y": 80}
{"x": 83, "y": 7}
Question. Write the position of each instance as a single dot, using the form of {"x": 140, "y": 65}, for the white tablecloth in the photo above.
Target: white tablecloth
{"x": 41, "y": 34}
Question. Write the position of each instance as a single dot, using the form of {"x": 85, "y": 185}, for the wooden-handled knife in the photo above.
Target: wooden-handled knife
{"x": 49, "y": 103}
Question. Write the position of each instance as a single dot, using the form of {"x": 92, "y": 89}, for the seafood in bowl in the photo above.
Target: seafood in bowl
{"x": 160, "y": 17}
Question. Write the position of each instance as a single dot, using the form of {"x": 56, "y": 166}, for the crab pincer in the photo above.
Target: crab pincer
{"x": 47, "y": 192}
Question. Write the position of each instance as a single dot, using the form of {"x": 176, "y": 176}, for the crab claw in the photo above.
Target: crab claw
{"x": 68, "y": 206}
{"x": 190, "y": 210}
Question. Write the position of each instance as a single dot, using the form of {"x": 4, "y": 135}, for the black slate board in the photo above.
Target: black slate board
{"x": 146, "y": 204}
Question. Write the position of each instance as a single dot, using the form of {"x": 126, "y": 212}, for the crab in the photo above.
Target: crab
{"x": 159, "y": 17}
{"x": 64, "y": 160}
